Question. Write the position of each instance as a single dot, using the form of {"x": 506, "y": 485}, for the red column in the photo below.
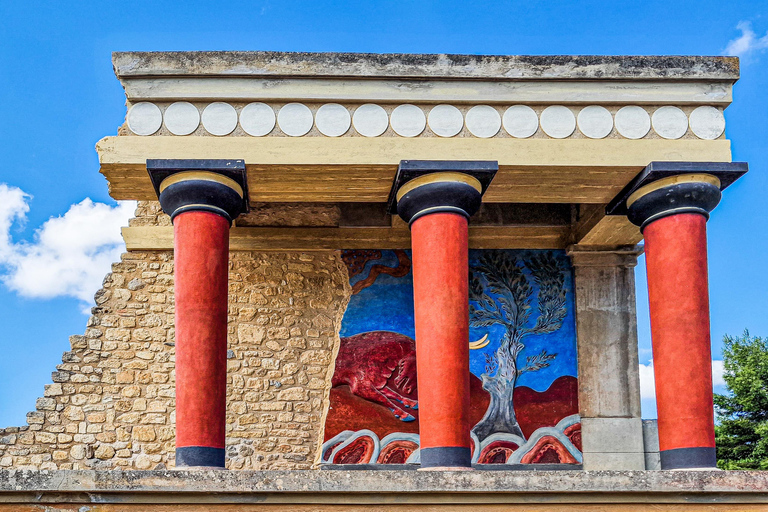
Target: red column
{"x": 676, "y": 262}
{"x": 436, "y": 199}
{"x": 201, "y": 254}
{"x": 202, "y": 198}
{"x": 440, "y": 294}
{"x": 672, "y": 213}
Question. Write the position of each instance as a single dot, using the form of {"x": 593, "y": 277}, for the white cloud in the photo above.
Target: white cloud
{"x": 69, "y": 255}
{"x": 717, "y": 373}
{"x": 648, "y": 386}
{"x": 747, "y": 42}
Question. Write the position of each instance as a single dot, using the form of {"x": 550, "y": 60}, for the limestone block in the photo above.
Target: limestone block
{"x": 651, "y": 445}
{"x": 104, "y": 452}
{"x": 612, "y": 435}
{"x": 598, "y": 461}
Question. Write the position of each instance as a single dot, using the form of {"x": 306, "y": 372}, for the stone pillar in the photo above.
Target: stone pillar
{"x": 672, "y": 213}
{"x": 437, "y": 206}
{"x": 202, "y": 204}
{"x": 609, "y": 380}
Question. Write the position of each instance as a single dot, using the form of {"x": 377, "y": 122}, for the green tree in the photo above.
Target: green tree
{"x": 742, "y": 430}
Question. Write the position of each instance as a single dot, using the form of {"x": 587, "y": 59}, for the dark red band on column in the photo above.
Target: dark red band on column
{"x": 201, "y": 254}
{"x": 676, "y": 260}
{"x": 441, "y": 306}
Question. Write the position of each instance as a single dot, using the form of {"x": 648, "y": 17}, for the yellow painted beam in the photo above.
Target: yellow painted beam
{"x": 151, "y": 238}
{"x": 359, "y": 169}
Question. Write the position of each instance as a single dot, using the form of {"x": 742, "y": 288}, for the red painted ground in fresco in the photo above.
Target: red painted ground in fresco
{"x": 535, "y": 410}
{"x": 376, "y": 373}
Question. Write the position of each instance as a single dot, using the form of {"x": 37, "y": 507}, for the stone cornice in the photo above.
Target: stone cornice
{"x": 425, "y": 66}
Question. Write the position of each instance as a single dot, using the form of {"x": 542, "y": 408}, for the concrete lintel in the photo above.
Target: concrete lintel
{"x": 604, "y": 256}
{"x": 455, "y": 91}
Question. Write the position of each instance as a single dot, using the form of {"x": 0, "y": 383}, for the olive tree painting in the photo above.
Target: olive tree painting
{"x": 501, "y": 292}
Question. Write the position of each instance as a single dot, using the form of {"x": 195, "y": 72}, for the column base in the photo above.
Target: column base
{"x": 701, "y": 458}
{"x": 199, "y": 468}
{"x": 188, "y": 457}
{"x": 446, "y": 468}
{"x": 441, "y": 458}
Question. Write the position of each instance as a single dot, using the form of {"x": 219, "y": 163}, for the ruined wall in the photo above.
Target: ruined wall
{"x": 111, "y": 402}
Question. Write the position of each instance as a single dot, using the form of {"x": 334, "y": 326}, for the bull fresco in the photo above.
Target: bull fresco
{"x": 523, "y": 387}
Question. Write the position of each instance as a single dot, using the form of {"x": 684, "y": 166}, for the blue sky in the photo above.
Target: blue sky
{"x": 58, "y": 96}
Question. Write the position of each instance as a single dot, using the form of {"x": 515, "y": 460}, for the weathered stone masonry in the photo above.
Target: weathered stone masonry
{"x": 111, "y": 403}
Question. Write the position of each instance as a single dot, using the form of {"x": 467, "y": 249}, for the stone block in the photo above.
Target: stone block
{"x": 612, "y": 435}
{"x": 104, "y": 452}
{"x": 53, "y": 389}
{"x": 600, "y": 461}
{"x": 144, "y": 433}
{"x": 651, "y": 444}
{"x": 35, "y": 418}
{"x": 651, "y": 435}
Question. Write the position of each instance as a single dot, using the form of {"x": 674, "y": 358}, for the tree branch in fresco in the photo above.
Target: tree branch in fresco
{"x": 502, "y": 293}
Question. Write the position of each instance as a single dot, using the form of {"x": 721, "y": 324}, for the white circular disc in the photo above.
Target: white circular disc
{"x": 483, "y": 121}
{"x": 257, "y": 119}
{"x": 632, "y": 122}
{"x": 181, "y": 118}
{"x": 370, "y": 120}
{"x": 445, "y": 120}
{"x": 295, "y": 119}
{"x": 558, "y": 121}
{"x": 520, "y": 121}
{"x": 670, "y": 122}
{"x": 595, "y": 122}
{"x": 332, "y": 119}
{"x": 144, "y": 118}
{"x": 219, "y": 118}
{"x": 408, "y": 120}
{"x": 707, "y": 123}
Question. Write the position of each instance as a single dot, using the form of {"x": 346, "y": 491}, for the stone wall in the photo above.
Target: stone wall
{"x": 111, "y": 402}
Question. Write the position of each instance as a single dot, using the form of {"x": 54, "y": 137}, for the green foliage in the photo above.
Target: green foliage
{"x": 742, "y": 431}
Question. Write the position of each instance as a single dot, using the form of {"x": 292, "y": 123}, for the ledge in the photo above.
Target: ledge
{"x": 510, "y": 67}
{"x": 379, "y": 487}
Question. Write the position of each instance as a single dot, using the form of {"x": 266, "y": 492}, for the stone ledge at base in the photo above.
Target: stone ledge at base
{"x": 371, "y": 491}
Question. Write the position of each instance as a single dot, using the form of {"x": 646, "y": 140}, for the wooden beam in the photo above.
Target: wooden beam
{"x": 594, "y": 227}
{"x": 151, "y": 238}
{"x": 359, "y": 169}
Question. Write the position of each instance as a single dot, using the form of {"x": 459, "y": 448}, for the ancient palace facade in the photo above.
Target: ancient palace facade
{"x": 396, "y": 282}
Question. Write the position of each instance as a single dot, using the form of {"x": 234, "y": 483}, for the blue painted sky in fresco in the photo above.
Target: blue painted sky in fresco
{"x": 387, "y": 305}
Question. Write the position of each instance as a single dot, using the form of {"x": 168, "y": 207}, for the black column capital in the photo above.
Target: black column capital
{"x": 684, "y": 193}
{"x": 422, "y": 187}
{"x": 669, "y": 188}
{"x": 217, "y": 186}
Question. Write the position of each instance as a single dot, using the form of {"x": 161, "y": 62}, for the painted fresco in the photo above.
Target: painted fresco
{"x": 523, "y": 387}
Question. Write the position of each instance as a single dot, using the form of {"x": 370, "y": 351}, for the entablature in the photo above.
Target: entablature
{"x": 332, "y": 127}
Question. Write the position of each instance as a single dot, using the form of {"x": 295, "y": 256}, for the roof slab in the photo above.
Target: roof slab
{"x": 332, "y": 127}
